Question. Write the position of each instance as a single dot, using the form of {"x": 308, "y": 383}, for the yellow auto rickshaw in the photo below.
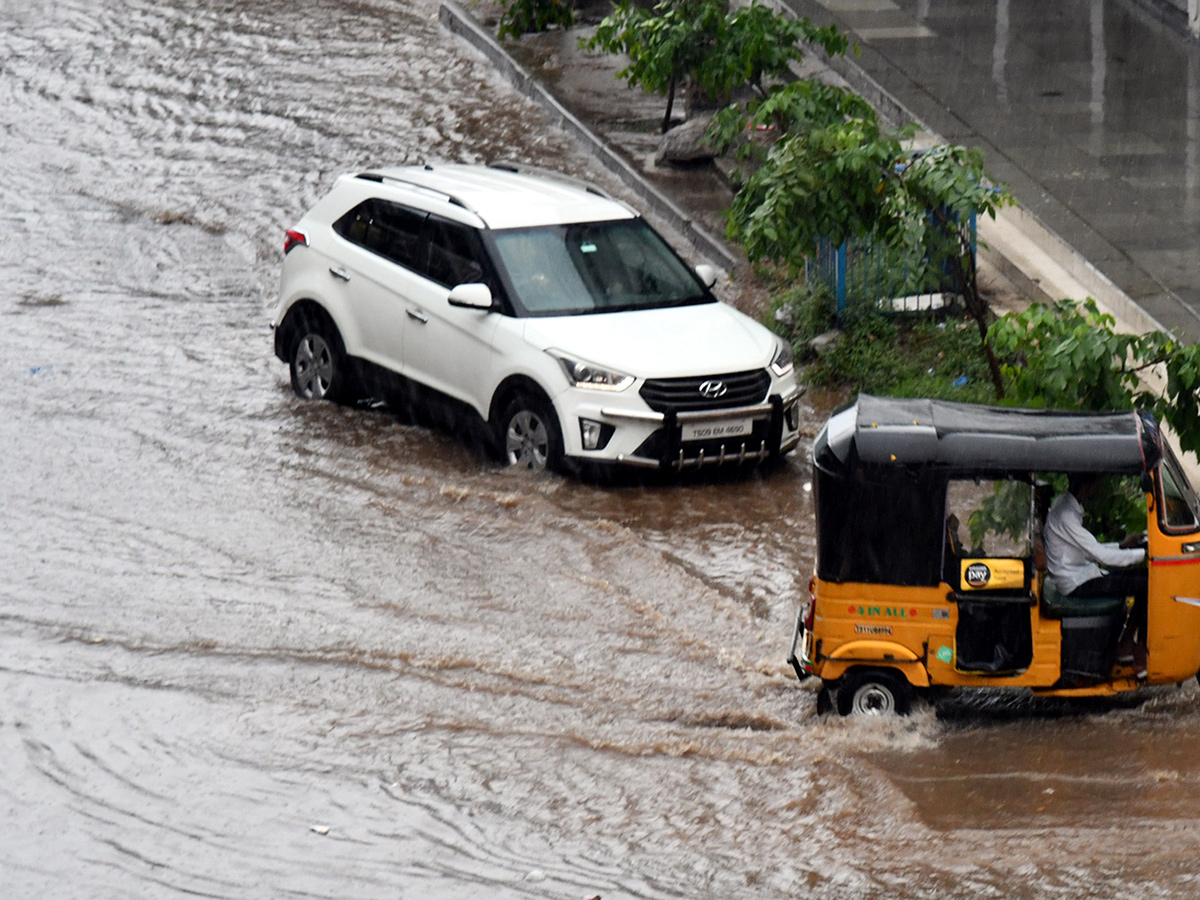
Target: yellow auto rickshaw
{"x": 930, "y": 572}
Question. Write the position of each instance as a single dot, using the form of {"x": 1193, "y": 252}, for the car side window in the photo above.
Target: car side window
{"x": 454, "y": 254}
{"x": 389, "y": 229}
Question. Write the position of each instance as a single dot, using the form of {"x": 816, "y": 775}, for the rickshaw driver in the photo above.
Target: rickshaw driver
{"x": 1074, "y": 558}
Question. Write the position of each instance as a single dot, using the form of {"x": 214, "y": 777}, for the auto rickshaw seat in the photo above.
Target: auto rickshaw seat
{"x": 1059, "y": 606}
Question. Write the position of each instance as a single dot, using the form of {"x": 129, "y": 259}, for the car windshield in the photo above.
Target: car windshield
{"x": 594, "y": 267}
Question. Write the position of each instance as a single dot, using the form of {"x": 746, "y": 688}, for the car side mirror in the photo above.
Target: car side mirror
{"x": 707, "y": 274}
{"x": 472, "y": 296}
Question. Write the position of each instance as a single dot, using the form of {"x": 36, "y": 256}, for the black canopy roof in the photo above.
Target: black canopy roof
{"x": 987, "y": 439}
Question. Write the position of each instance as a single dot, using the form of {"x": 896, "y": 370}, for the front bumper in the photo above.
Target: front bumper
{"x": 801, "y": 661}
{"x": 774, "y": 431}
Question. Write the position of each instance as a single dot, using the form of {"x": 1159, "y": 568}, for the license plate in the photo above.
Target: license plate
{"x": 715, "y": 431}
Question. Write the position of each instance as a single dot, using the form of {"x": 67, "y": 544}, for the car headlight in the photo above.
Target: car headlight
{"x": 781, "y": 363}
{"x": 586, "y": 375}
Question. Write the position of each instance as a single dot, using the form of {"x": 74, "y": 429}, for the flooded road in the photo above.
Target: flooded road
{"x": 255, "y": 648}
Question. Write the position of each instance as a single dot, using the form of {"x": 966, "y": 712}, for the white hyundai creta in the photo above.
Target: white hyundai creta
{"x": 553, "y": 312}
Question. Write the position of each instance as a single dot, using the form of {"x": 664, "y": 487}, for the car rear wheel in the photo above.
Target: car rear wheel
{"x": 319, "y": 366}
{"x": 874, "y": 692}
{"x": 529, "y": 436}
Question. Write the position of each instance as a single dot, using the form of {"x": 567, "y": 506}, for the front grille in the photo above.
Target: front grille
{"x": 683, "y": 394}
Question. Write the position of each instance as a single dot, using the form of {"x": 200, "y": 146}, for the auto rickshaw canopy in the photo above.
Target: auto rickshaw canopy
{"x": 882, "y": 466}
{"x": 987, "y": 440}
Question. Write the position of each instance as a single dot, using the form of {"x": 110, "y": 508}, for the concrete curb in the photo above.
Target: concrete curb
{"x": 459, "y": 22}
{"x": 1168, "y": 14}
{"x": 1024, "y": 249}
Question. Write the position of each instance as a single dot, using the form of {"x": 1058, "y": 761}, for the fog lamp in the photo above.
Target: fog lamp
{"x": 590, "y": 432}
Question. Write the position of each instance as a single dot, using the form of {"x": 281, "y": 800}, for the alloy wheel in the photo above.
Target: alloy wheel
{"x": 314, "y": 367}
{"x": 527, "y": 442}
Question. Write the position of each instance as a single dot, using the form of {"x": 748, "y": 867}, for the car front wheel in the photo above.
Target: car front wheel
{"x": 529, "y": 436}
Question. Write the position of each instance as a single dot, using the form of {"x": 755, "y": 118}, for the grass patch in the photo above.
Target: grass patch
{"x": 895, "y": 355}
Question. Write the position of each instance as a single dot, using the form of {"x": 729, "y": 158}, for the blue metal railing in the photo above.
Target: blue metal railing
{"x": 860, "y": 271}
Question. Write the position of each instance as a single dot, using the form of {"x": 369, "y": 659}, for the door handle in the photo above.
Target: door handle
{"x": 338, "y": 272}
{"x": 418, "y": 315}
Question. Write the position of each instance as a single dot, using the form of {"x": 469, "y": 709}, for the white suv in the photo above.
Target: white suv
{"x": 555, "y": 313}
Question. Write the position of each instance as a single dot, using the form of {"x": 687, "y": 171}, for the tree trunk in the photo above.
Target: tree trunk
{"x": 978, "y": 308}
{"x": 666, "y": 123}
{"x": 965, "y": 277}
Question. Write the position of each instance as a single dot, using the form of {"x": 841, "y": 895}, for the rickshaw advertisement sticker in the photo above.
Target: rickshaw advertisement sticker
{"x": 945, "y": 654}
{"x": 892, "y": 612}
{"x": 978, "y": 574}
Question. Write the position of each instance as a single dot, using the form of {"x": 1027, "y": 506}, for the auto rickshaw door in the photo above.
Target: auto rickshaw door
{"x": 988, "y": 566}
{"x": 1173, "y": 530}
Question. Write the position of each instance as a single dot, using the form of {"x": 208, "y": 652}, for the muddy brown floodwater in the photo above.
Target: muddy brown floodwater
{"x": 255, "y": 648}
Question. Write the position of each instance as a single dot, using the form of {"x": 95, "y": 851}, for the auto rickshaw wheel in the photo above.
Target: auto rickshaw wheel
{"x": 825, "y": 700}
{"x": 874, "y": 692}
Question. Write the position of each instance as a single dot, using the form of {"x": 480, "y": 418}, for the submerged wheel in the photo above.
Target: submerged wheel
{"x": 319, "y": 366}
{"x": 874, "y": 692}
{"x": 824, "y": 700}
{"x": 528, "y": 434}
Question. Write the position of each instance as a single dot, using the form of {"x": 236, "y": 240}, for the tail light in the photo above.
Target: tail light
{"x": 293, "y": 239}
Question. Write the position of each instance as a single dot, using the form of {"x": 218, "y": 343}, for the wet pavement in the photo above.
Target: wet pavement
{"x": 1088, "y": 111}
{"x": 251, "y": 647}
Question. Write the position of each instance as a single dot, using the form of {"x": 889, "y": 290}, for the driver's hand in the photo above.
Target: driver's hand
{"x": 1134, "y": 540}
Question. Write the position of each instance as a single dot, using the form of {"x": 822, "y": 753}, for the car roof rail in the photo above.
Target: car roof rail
{"x": 505, "y": 165}
{"x": 384, "y": 177}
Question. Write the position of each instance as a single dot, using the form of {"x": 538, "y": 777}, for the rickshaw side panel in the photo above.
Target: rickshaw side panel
{"x": 913, "y": 631}
{"x": 1174, "y": 609}
{"x": 1043, "y": 670}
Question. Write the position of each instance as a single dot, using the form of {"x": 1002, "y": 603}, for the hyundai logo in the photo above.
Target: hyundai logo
{"x": 713, "y": 389}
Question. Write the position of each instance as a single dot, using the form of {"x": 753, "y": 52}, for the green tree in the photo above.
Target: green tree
{"x": 701, "y": 40}
{"x": 1068, "y": 355}
{"x": 836, "y": 175}
{"x": 757, "y": 46}
{"x": 795, "y": 108}
{"x": 833, "y": 173}
{"x": 520, "y": 17}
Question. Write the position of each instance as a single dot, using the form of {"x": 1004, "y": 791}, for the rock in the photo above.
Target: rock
{"x": 823, "y": 342}
{"x": 685, "y": 143}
